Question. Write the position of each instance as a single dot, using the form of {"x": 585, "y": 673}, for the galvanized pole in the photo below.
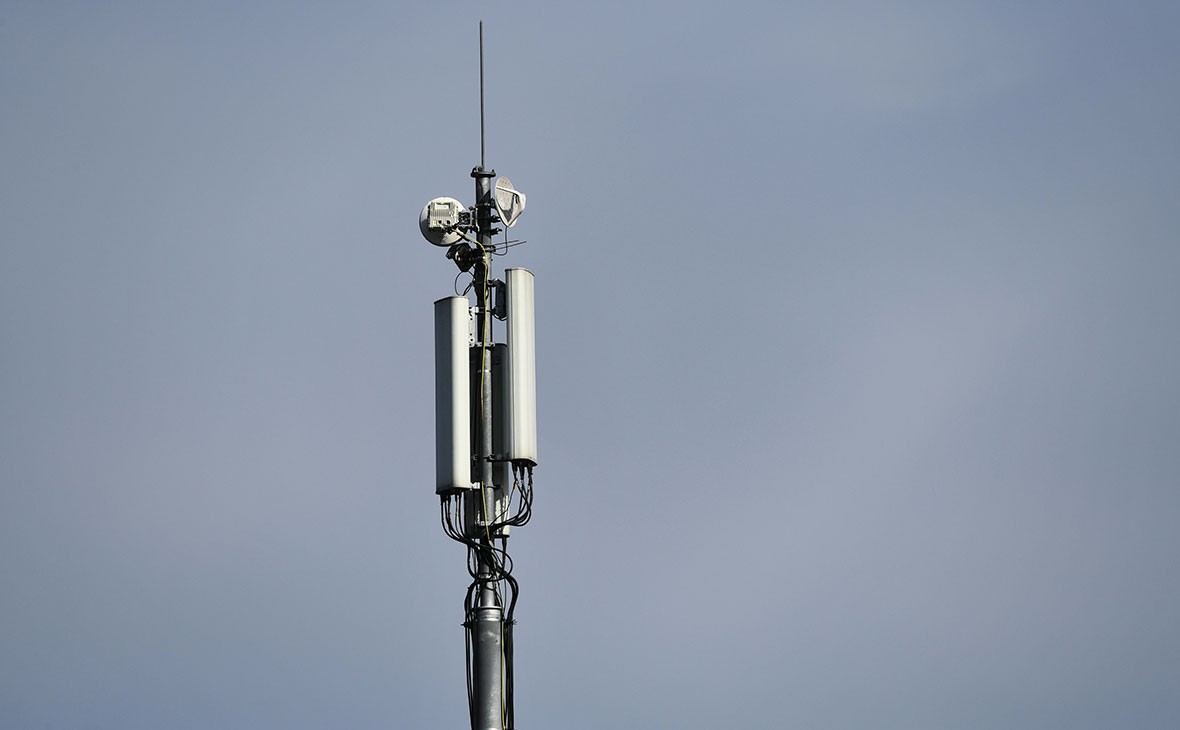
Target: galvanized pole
{"x": 486, "y": 621}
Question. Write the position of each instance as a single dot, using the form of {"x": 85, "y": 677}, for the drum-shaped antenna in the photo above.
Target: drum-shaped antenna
{"x": 439, "y": 221}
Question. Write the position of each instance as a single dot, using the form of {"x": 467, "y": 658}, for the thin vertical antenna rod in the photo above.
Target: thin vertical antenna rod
{"x": 482, "y": 161}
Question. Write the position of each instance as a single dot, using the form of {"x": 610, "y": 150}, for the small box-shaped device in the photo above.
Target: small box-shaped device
{"x": 443, "y": 213}
{"x": 440, "y": 218}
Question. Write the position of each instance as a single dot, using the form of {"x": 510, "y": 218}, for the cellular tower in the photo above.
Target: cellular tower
{"x": 485, "y": 421}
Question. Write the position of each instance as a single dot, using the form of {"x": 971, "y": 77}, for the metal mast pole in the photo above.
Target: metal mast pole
{"x": 486, "y": 621}
{"x": 485, "y": 424}
{"x": 487, "y": 627}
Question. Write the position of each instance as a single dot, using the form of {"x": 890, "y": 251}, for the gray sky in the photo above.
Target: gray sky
{"x": 857, "y": 362}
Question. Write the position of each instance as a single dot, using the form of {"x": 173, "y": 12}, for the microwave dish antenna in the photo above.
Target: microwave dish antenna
{"x": 509, "y": 202}
{"x": 441, "y": 221}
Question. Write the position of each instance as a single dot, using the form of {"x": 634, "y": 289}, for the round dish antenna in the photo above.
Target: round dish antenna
{"x": 509, "y": 202}
{"x": 440, "y": 221}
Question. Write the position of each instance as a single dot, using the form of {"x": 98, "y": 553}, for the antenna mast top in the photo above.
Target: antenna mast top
{"x": 482, "y": 149}
{"x": 467, "y": 232}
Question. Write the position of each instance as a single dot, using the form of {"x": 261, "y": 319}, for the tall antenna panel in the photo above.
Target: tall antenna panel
{"x": 501, "y": 468}
{"x": 452, "y": 396}
{"x": 522, "y": 368}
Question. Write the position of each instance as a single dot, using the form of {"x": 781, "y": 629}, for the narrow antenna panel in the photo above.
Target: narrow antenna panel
{"x": 521, "y": 434}
{"x": 452, "y": 397}
{"x": 501, "y": 468}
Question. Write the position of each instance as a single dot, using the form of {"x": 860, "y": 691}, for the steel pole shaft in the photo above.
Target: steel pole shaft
{"x": 487, "y": 620}
{"x": 487, "y": 627}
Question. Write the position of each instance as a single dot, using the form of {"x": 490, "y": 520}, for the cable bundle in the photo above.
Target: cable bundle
{"x": 490, "y": 567}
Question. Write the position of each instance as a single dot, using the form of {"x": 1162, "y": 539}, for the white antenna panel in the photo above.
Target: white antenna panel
{"x": 521, "y": 441}
{"x": 452, "y": 395}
